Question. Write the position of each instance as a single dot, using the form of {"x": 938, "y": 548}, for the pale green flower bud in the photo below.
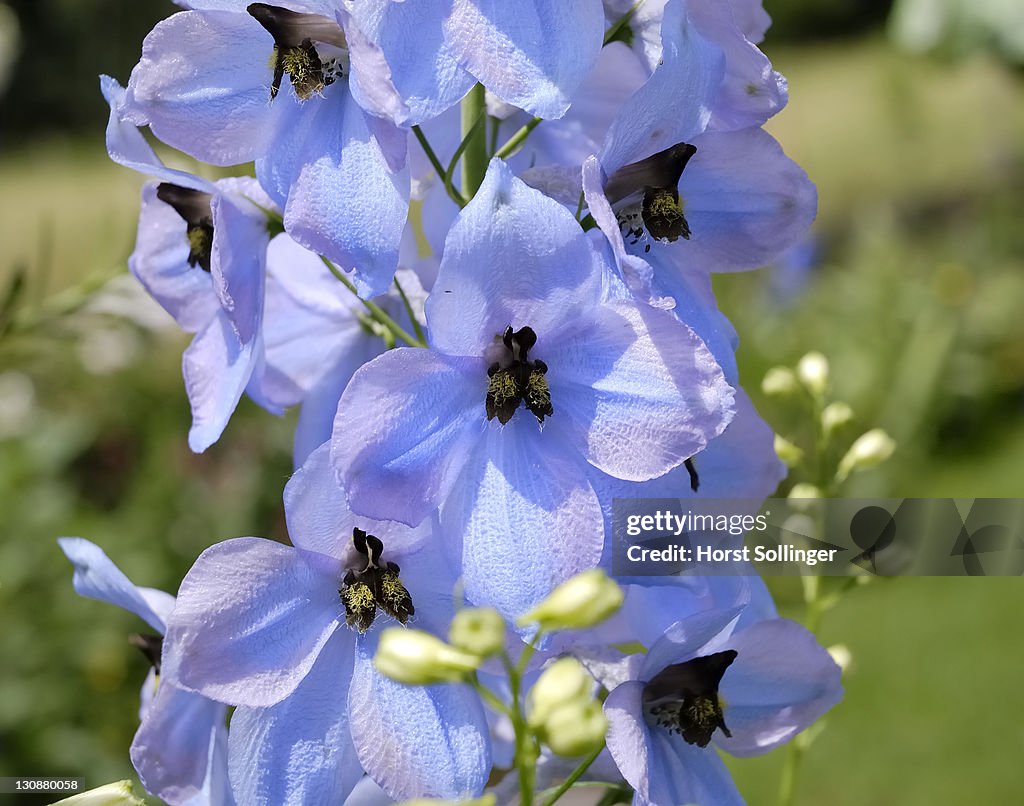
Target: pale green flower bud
{"x": 485, "y": 800}
{"x": 789, "y": 453}
{"x": 835, "y": 416}
{"x": 812, "y": 370}
{"x": 576, "y": 729}
{"x": 480, "y": 630}
{"x": 804, "y": 490}
{"x": 564, "y": 681}
{"x": 869, "y": 450}
{"x": 841, "y": 655}
{"x": 583, "y": 601}
{"x": 119, "y": 793}
{"x": 417, "y": 658}
{"x": 779, "y": 382}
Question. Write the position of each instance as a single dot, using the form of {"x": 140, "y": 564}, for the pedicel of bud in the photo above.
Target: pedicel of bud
{"x": 576, "y": 729}
{"x": 869, "y": 450}
{"x": 835, "y": 416}
{"x": 812, "y": 370}
{"x": 417, "y": 658}
{"x": 480, "y": 630}
{"x": 582, "y": 601}
{"x": 788, "y": 452}
{"x": 119, "y": 793}
{"x": 563, "y": 682}
{"x": 779, "y": 382}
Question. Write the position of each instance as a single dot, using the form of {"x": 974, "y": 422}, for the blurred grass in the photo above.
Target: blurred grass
{"x": 915, "y": 297}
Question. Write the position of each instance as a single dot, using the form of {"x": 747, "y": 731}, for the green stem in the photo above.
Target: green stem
{"x": 491, "y": 698}
{"x": 566, "y": 785}
{"x": 412, "y": 314}
{"x": 468, "y": 140}
{"x": 616, "y": 27}
{"x": 474, "y": 139}
{"x": 517, "y": 139}
{"x": 438, "y": 167}
{"x": 378, "y": 312}
{"x": 526, "y": 746}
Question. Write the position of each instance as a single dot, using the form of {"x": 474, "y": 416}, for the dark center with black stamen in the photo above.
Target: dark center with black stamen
{"x": 310, "y": 48}
{"x": 649, "y": 193}
{"x": 373, "y": 585}
{"x": 684, "y": 697}
{"x": 194, "y": 208}
{"x": 150, "y": 645}
{"x": 515, "y": 379}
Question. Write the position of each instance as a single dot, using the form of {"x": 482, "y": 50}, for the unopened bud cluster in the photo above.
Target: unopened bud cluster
{"x": 563, "y": 712}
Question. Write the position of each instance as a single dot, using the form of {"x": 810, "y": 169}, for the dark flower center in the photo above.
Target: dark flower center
{"x": 373, "y": 585}
{"x": 194, "y": 208}
{"x": 310, "y": 48}
{"x": 515, "y": 379}
{"x": 150, "y": 645}
{"x": 684, "y": 697}
{"x": 649, "y": 196}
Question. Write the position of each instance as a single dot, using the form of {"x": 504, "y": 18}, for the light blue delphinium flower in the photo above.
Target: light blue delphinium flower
{"x": 180, "y": 748}
{"x": 201, "y": 253}
{"x": 532, "y": 54}
{"x": 289, "y": 634}
{"x": 535, "y": 371}
{"x": 270, "y": 83}
{"x": 713, "y": 680}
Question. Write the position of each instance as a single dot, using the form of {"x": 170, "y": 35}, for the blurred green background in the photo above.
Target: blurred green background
{"x": 912, "y": 285}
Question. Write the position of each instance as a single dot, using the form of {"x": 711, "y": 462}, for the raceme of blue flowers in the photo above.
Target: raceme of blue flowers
{"x": 476, "y": 252}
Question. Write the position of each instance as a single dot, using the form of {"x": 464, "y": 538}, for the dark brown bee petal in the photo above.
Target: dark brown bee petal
{"x": 291, "y": 28}
{"x": 192, "y": 205}
{"x": 662, "y": 170}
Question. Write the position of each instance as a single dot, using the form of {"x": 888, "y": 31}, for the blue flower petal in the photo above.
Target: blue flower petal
{"x": 513, "y": 257}
{"x": 685, "y": 773}
{"x": 97, "y": 577}
{"x": 527, "y": 517}
{"x": 203, "y": 86}
{"x": 217, "y": 369}
{"x": 171, "y": 748}
{"x": 251, "y": 617}
{"x": 751, "y": 90}
{"x": 781, "y": 682}
{"x": 417, "y": 741}
{"x": 746, "y": 202}
{"x": 343, "y": 199}
{"x": 405, "y": 426}
{"x": 675, "y": 104}
{"x": 319, "y": 518}
{"x": 638, "y": 389}
{"x": 238, "y": 262}
{"x": 126, "y": 145}
{"x": 406, "y": 79}
{"x": 628, "y": 735}
{"x": 299, "y": 751}
{"x": 700, "y": 634}
{"x": 532, "y": 54}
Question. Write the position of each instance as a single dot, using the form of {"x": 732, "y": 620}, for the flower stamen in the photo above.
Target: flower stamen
{"x": 517, "y": 379}
{"x": 375, "y": 586}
